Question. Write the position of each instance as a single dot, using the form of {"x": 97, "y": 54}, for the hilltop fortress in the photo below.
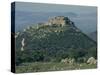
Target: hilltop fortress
{"x": 58, "y": 21}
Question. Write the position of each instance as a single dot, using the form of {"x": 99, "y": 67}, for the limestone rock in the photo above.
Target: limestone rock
{"x": 91, "y": 60}
{"x": 68, "y": 60}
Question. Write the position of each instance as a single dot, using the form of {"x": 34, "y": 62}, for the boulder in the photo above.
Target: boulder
{"x": 64, "y": 60}
{"x": 91, "y": 60}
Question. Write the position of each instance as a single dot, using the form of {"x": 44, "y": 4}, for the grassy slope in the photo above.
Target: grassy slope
{"x": 51, "y": 66}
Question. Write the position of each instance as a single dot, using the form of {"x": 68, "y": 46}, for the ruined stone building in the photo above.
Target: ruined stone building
{"x": 59, "y": 21}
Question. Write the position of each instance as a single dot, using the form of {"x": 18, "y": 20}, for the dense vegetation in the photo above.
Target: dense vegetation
{"x": 53, "y": 43}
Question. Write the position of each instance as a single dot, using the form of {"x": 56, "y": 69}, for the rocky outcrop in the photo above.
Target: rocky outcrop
{"x": 91, "y": 60}
{"x": 68, "y": 60}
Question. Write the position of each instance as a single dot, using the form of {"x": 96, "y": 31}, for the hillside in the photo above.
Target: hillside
{"x": 52, "y": 41}
{"x": 93, "y": 35}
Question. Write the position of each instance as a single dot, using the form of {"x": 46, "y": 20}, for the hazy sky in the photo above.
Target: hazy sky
{"x": 37, "y": 7}
{"x": 85, "y": 19}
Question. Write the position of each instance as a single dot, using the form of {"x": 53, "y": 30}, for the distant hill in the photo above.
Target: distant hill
{"x": 54, "y": 40}
{"x": 93, "y": 35}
